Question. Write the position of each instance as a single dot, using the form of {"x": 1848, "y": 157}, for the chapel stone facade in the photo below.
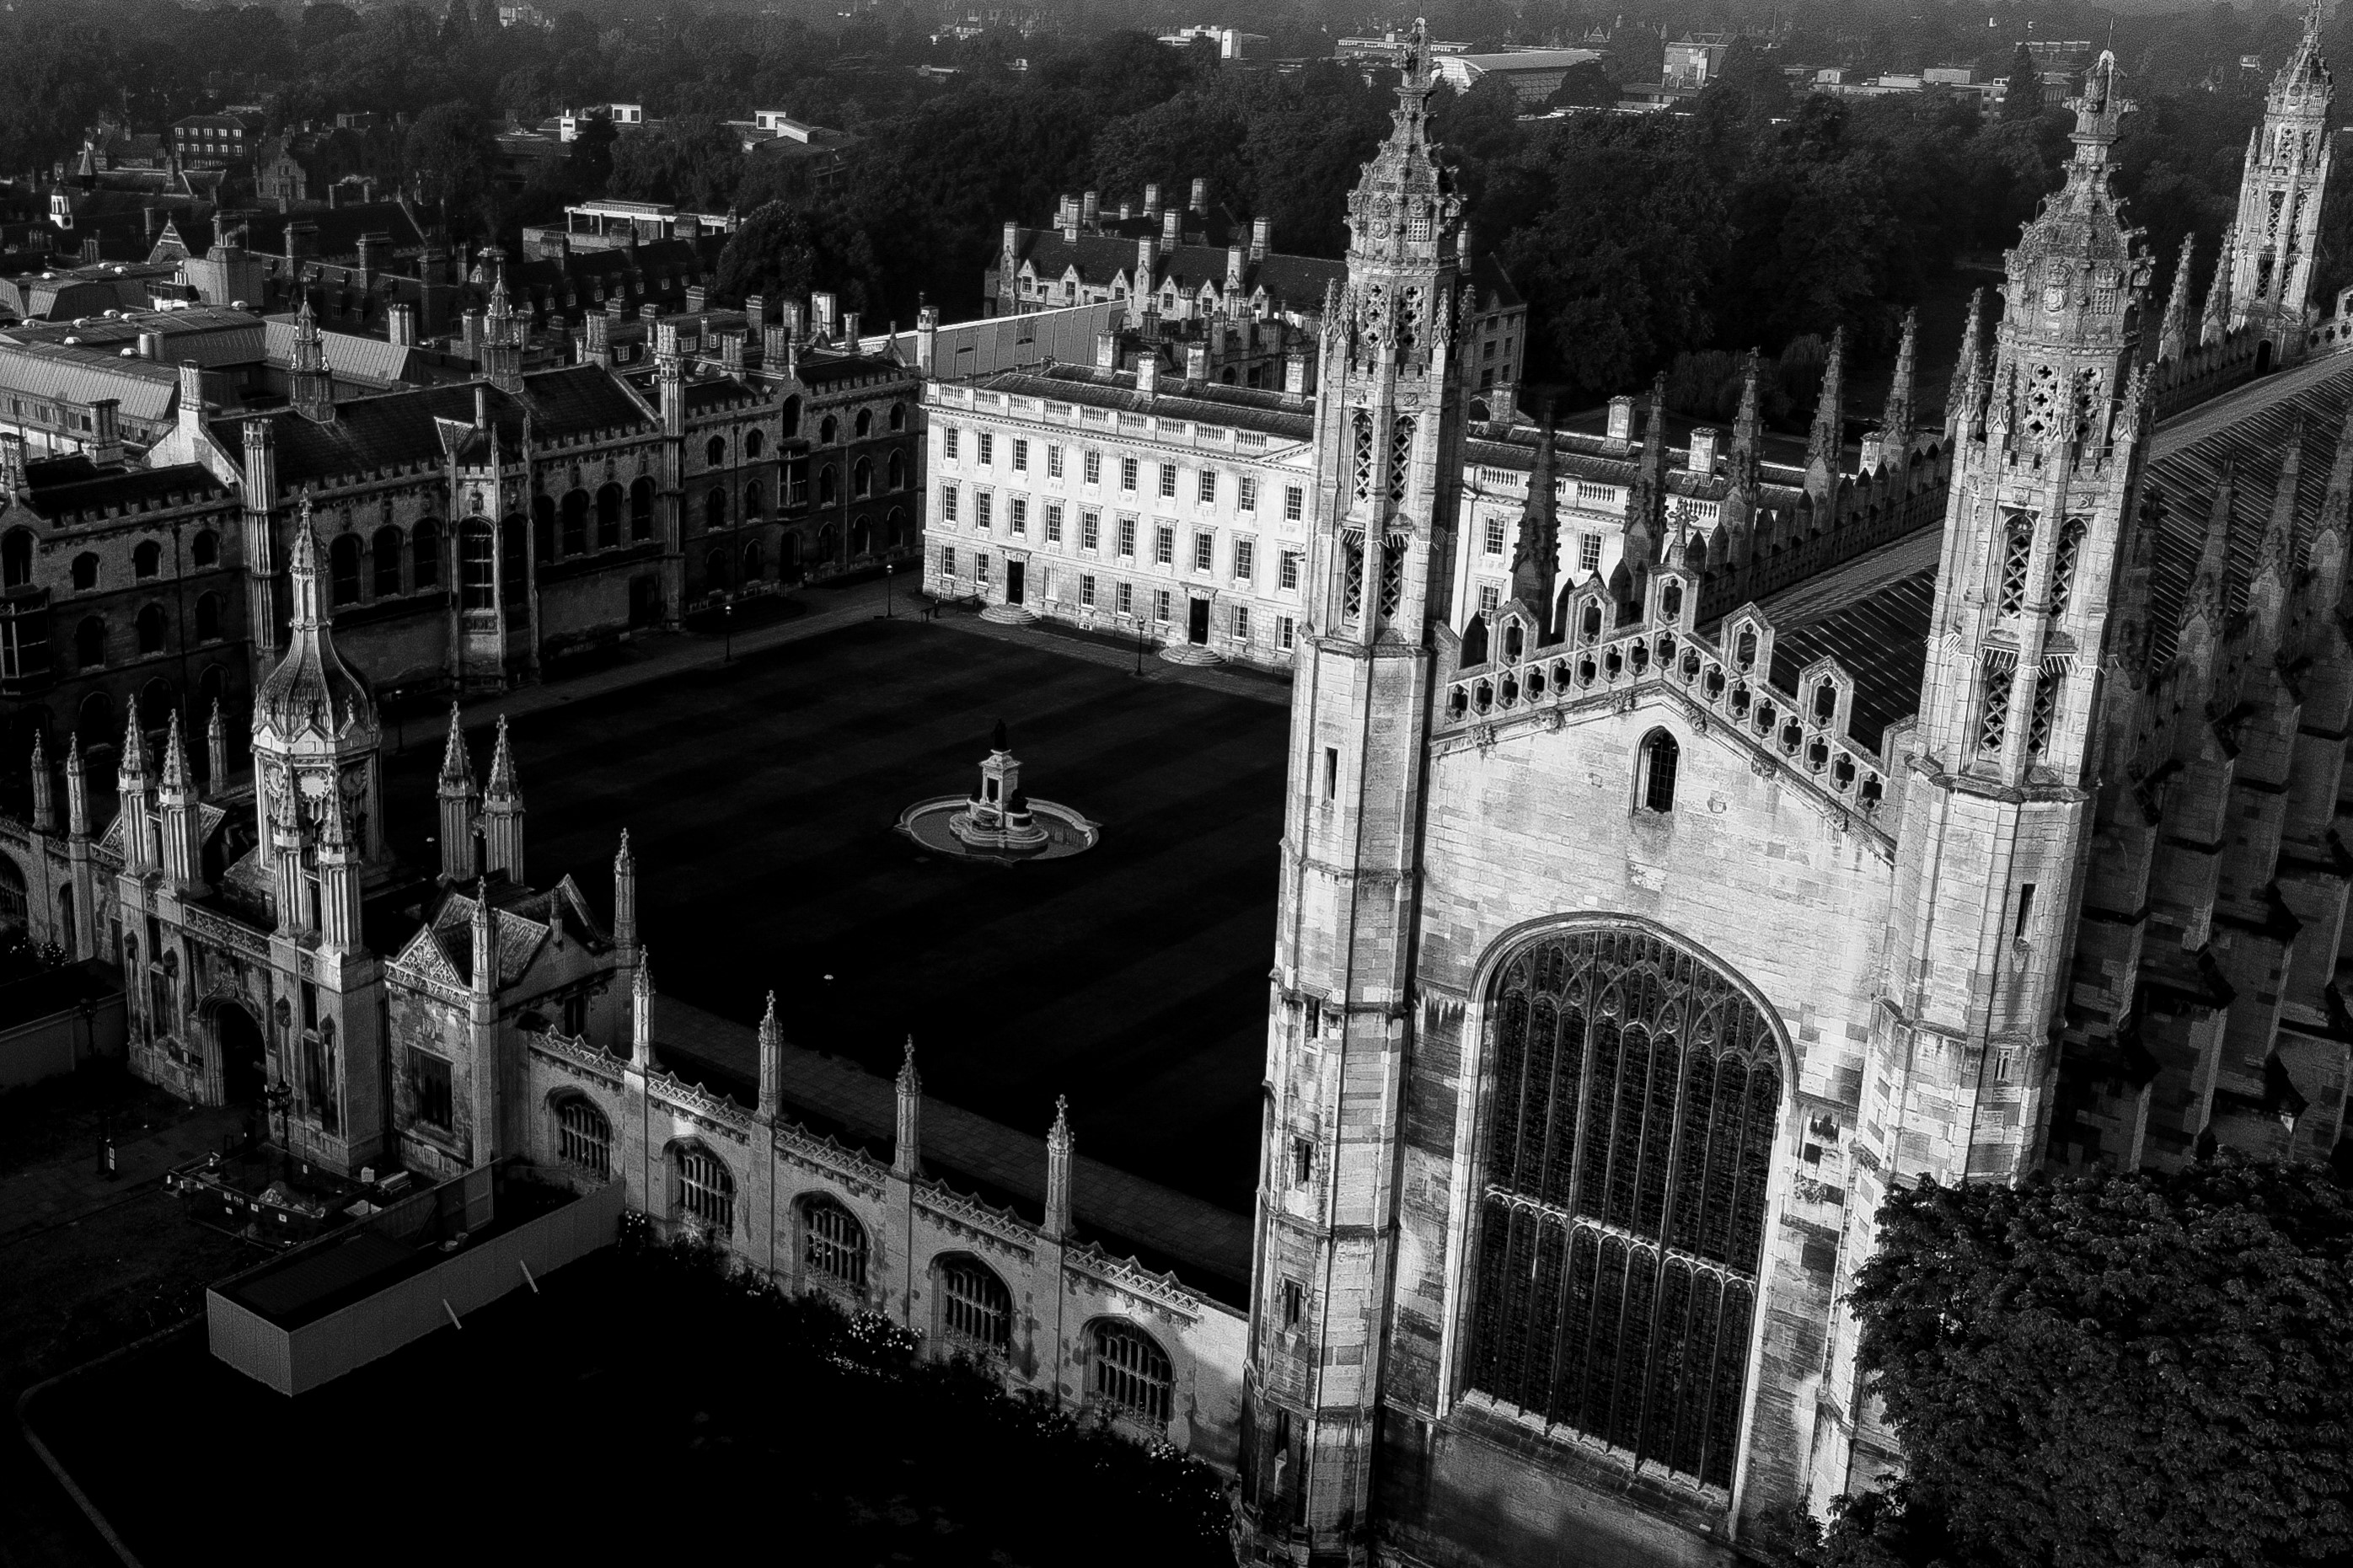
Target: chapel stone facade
{"x": 1639, "y": 932}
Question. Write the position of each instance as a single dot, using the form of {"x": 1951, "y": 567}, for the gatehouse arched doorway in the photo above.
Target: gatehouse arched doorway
{"x": 243, "y": 1059}
{"x": 1620, "y": 1207}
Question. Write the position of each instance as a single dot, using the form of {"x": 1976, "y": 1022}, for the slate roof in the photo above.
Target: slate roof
{"x": 2250, "y": 428}
{"x": 402, "y": 429}
{"x": 210, "y": 336}
{"x": 339, "y": 228}
{"x": 73, "y": 489}
{"x": 1580, "y": 455}
{"x": 1244, "y": 408}
{"x": 1298, "y": 281}
{"x": 822, "y": 367}
{"x": 715, "y": 390}
{"x": 146, "y": 391}
{"x": 522, "y": 918}
{"x": 348, "y": 353}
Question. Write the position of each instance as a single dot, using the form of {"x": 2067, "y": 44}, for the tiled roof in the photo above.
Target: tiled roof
{"x": 2250, "y": 429}
{"x": 400, "y": 428}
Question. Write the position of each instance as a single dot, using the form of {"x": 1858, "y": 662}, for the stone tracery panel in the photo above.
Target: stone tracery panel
{"x": 1620, "y": 1223}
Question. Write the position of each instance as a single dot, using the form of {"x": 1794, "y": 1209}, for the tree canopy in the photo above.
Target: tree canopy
{"x": 2111, "y": 1369}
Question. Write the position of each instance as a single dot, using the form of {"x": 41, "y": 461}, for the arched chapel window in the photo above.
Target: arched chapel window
{"x": 2018, "y": 548}
{"x": 584, "y": 1137}
{"x": 975, "y": 1309}
{"x": 1132, "y": 1373}
{"x": 1659, "y": 758}
{"x": 702, "y": 1187}
{"x": 1622, "y": 1209}
{"x": 833, "y": 1244}
{"x": 2062, "y": 565}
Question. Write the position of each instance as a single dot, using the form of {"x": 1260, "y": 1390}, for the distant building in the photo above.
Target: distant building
{"x": 1694, "y": 60}
{"x": 1534, "y": 74}
{"x": 225, "y": 140}
{"x": 1194, "y": 274}
{"x": 626, "y": 117}
{"x": 305, "y": 166}
{"x": 819, "y": 151}
{"x": 619, "y": 224}
{"x": 1232, "y": 44}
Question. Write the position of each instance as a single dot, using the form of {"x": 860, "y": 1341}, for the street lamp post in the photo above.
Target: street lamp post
{"x": 727, "y": 621}
{"x": 888, "y": 569}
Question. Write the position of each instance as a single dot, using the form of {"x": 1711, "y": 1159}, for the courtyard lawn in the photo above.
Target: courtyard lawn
{"x": 635, "y": 1409}
{"x": 761, "y": 800}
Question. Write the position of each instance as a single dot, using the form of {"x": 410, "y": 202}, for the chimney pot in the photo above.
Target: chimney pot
{"x": 1201, "y": 198}
{"x": 1152, "y": 201}
{"x": 1621, "y": 419}
{"x": 1107, "y": 351}
{"x": 1172, "y": 228}
{"x": 1148, "y": 373}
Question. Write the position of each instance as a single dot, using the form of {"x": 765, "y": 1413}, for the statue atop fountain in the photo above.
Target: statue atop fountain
{"x": 999, "y": 821}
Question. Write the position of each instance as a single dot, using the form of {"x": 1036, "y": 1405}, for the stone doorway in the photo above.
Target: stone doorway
{"x": 244, "y": 1058}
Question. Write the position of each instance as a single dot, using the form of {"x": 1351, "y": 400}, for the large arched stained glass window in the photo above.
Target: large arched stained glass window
{"x": 1622, "y": 1218}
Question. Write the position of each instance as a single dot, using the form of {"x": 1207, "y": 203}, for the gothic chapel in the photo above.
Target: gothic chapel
{"x": 1626, "y": 958}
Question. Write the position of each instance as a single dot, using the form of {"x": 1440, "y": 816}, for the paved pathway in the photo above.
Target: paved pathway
{"x": 955, "y": 1142}
{"x": 1261, "y": 686}
{"x": 826, "y": 610}
{"x": 58, "y": 1192}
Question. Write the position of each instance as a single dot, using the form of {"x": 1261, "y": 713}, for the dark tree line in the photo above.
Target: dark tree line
{"x": 1765, "y": 218}
{"x": 2107, "y": 1371}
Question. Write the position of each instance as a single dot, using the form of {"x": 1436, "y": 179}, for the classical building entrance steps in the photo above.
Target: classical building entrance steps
{"x": 1209, "y": 1244}
{"x": 1008, "y": 614}
{"x": 1189, "y": 654}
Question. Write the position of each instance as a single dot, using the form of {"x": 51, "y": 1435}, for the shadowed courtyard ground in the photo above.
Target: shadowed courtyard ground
{"x": 761, "y": 800}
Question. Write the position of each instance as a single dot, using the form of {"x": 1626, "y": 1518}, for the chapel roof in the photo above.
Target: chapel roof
{"x": 2249, "y": 431}
{"x": 1872, "y": 615}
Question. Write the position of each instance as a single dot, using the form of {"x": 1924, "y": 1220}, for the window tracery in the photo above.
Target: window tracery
{"x": 2018, "y": 551}
{"x": 1622, "y": 1220}
{"x": 2069, "y": 550}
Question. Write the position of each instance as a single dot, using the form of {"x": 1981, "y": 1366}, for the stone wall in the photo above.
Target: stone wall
{"x": 911, "y": 1226}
